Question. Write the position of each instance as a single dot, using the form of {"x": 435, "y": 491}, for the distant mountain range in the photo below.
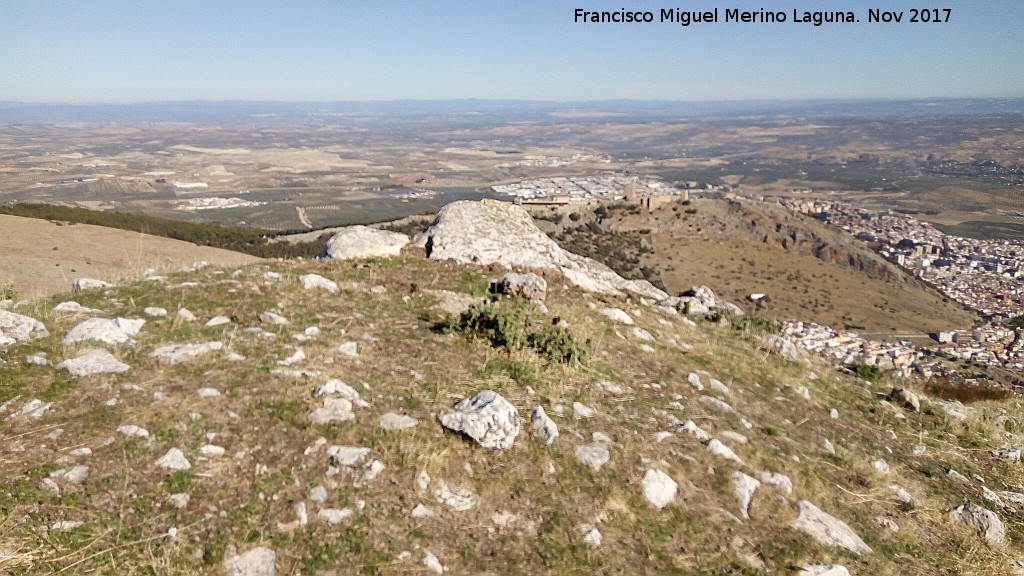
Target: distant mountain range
{"x": 598, "y": 110}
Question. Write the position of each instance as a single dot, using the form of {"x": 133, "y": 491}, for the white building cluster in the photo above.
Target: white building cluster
{"x": 850, "y": 349}
{"x": 610, "y": 186}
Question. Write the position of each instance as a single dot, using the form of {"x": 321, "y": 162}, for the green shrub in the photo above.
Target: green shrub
{"x": 557, "y": 344}
{"x": 511, "y": 329}
{"x": 869, "y": 373}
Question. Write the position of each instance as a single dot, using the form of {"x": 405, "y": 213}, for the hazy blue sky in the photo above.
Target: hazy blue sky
{"x": 114, "y": 51}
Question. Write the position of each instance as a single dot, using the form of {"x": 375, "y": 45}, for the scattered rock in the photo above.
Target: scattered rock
{"x": 583, "y": 411}
{"x": 722, "y": 451}
{"x": 543, "y": 427}
{"x": 1009, "y": 454}
{"x": 905, "y": 398}
{"x": 985, "y": 522}
{"x": 591, "y": 535}
{"x": 691, "y": 428}
{"x": 780, "y": 481}
{"x": 334, "y": 515}
{"x": 211, "y": 450}
{"x": 37, "y": 360}
{"x": 64, "y": 525}
{"x": 782, "y": 346}
{"x": 594, "y": 454}
{"x": 34, "y": 409}
{"x": 528, "y": 285}
{"x": 186, "y": 315}
{"x": 432, "y": 563}
{"x": 179, "y": 500}
{"x": 174, "y": 460}
{"x": 72, "y": 307}
{"x": 827, "y": 529}
{"x": 98, "y": 329}
{"x": 333, "y": 410}
{"x": 296, "y": 357}
{"x": 85, "y": 284}
{"x": 393, "y": 421}
{"x": 274, "y": 318}
{"x": 350, "y": 349}
{"x": 17, "y": 328}
{"x": 208, "y": 392}
{"x": 734, "y": 436}
{"x": 487, "y": 418}
{"x": 259, "y": 561}
{"x": 133, "y": 431}
{"x": 77, "y": 475}
{"x": 744, "y": 487}
{"x": 346, "y": 455}
{"x": 335, "y": 386}
{"x": 616, "y": 315}
{"x": 218, "y": 321}
{"x": 97, "y": 361}
{"x": 659, "y": 488}
{"x": 716, "y": 404}
{"x": 421, "y": 511}
{"x": 316, "y": 281}
{"x": 155, "y": 311}
{"x": 694, "y": 380}
{"x": 364, "y": 242}
{"x": 455, "y": 497}
{"x": 880, "y": 465}
{"x": 177, "y": 353}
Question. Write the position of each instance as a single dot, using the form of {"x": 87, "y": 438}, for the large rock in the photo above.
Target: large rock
{"x": 487, "y": 418}
{"x": 528, "y": 285}
{"x": 97, "y": 361}
{"x": 364, "y": 242}
{"x": 256, "y": 562}
{"x": 827, "y": 529}
{"x": 492, "y": 232}
{"x": 316, "y": 281}
{"x": 16, "y": 328}
{"x": 659, "y": 488}
{"x": 782, "y": 346}
{"x": 98, "y": 329}
{"x": 744, "y": 487}
{"x": 905, "y": 398}
{"x": 985, "y": 522}
{"x": 543, "y": 427}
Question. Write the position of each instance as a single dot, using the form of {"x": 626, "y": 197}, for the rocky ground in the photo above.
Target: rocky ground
{"x": 344, "y": 416}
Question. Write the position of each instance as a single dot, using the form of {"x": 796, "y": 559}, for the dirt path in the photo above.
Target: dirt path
{"x": 40, "y": 258}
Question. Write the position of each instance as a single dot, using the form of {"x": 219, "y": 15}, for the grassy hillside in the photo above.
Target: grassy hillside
{"x": 808, "y": 270}
{"x": 536, "y": 502}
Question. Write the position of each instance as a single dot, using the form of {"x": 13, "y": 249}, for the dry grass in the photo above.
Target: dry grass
{"x": 529, "y": 518}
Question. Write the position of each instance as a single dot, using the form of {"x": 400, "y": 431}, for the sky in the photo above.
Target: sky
{"x": 107, "y": 51}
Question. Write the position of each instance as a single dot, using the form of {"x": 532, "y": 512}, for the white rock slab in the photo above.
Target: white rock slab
{"x": 827, "y": 529}
{"x": 487, "y": 418}
{"x": 985, "y": 522}
{"x": 133, "y": 431}
{"x": 72, "y": 307}
{"x": 394, "y": 421}
{"x": 17, "y": 328}
{"x": 364, "y": 242}
{"x": 346, "y": 455}
{"x": 335, "y": 386}
{"x": 155, "y": 311}
{"x": 99, "y": 329}
{"x": 333, "y": 410}
{"x": 780, "y": 481}
{"x": 616, "y": 315}
{"x": 97, "y": 361}
{"x": 456, "y": 497}
{"x": 744, "y": 487}
{"x": 174, "y": 460}
{"x": 659, "y": 488}
{"x": 594, "y": 454}
{"x": 823, "y": 570}
{"x": 273, "y": 318}
{"x": 259, "y": 561}
{"x": 318, "y": 282}
{"x": 432, "y": 563}
{"x": 716, "y": 447}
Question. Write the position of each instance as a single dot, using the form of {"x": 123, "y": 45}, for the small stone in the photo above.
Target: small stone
{"x": 393, "y": 421}
{"x": 179, "y": 500}
{"x": 211, "y": 450}
{"x": 173, "y": 460}
{"x": 734, "y": 436}
{"x": 64, "y": 525}
{"x": 421, "y": 511}
{"x": 722, "y": 451}
{"x": 177, "y": 353}
{"x": 296, "y": 357}
{"x": 334, "y": 515}
{"x": 583, "y": 411}
{"x": 905, "y": 398}
{"x": 335, "y": 386}
{"x": 318, "y": 494}
{"x": 218, "y": 321}
{"x": 659, "y": 488}
{"x": 744, "y": 488}
{"x": 83, "y": 451}
{"x": 544, "y": 428}
{"x": 422, "y": 482}
{"x": 455, "y": 497}
{"x": 609, "y": 387}
{"x": 350, "y": 349}
{"x": 616, "y": 315}
{"x": 803, "y": 392}
{"x": 691, "y": 428}
{"x": 155, "y": 311}
{"x": 528, "y": 285}
{"x": 273, "y": 318}
{"x": 37, "y": 360}
{"x": 833, "y": 414}
{"x": 370, "y": 471}
{"x": 591, "y": 536}
{"x": 333, "y": 410}
{"x": 827, "y": 529}
{"x": 77, "y": 475}
{"x": 186, "y": 315}
{"x": 718, "y": 386}
{"x": 826, "y": 444}
{"x": 432, "y": 563}
{"x": 1008, "y": 454}
{"x": 132, "y": 431}
{"x": 208, "y": 392}
{"x": 880, "y": 465}
{"x": 594, "y": 455}
{"x": 346, "y": 455}
{"x": 316, "y": 281}
{"x": 780, "y": 481}
{"x": 716, "y": 404}
{"x": 259, "y": 561}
